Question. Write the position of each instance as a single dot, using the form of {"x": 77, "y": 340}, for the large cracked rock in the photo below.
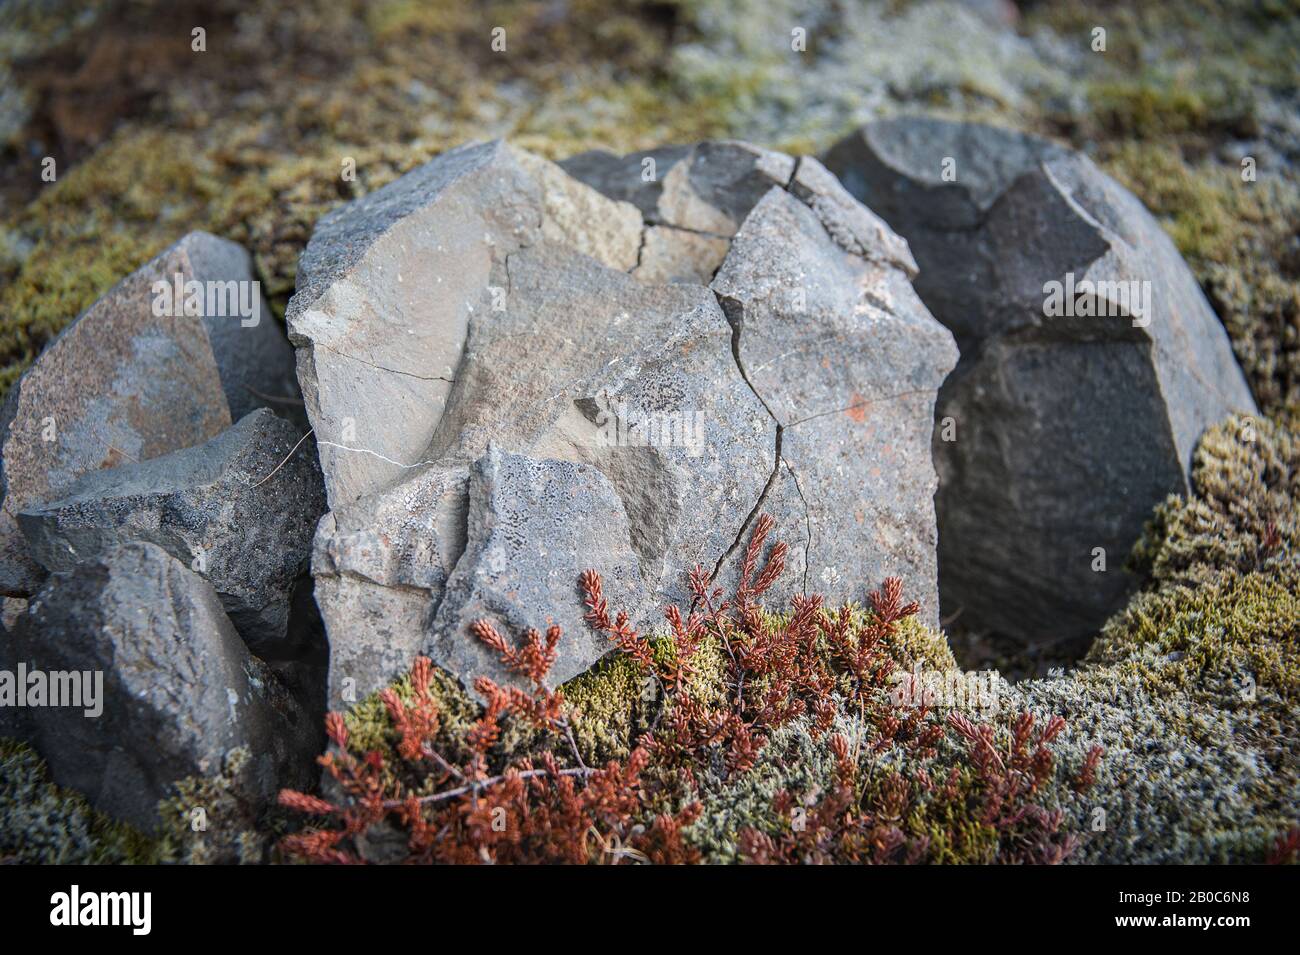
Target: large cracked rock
{"x": 239, "y": 509}
{"x": 180, "y": 691}
{"x": 550, "y": 384}
{"x": 163, "y": 361}
{"x": 1091, "y": 363}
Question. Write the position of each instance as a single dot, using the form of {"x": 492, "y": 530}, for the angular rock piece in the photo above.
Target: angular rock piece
{"x": 179, "y": 689}
{"x": 709, "y": 187}
{"x": 1091, "y": 364}
{"x": 534, "y": 526}
{"x": 599, "y": 416}
{"x": 226, "y": 508}
{"x": 388, "y": 284}
{"x": 135, "y": 377}
{"x": 693, "y": 199}
{"x": 848, "y": 361}
{"x": 254, "y": 358}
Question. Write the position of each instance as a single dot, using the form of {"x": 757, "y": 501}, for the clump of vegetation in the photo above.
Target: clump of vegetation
{"x": 44, "y": 824}
{"x": 514, "y": 784}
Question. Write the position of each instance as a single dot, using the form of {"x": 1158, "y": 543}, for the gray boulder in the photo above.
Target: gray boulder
{"x": 227, "y": 508}
{"x": 603, "y": 409}
{"x": 180, "y": 691}
{"x": 148, "y": 369}
{"x": 1091, "y": 365}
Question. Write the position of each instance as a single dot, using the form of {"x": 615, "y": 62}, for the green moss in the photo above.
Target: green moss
{"x": 41, "y": 823}
{"x": 1243, "y": 516}
{"x": 1238, "y": 237}
{"x": 1183, "y": 638}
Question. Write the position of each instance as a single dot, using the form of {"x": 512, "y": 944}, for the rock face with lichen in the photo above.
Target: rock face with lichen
{"x": 1091, "y": 365}
{"x": 519, "y": 371}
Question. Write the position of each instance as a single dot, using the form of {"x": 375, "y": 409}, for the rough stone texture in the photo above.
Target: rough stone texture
{"x": 254, "y": 358}
{"x": 221, "y": 507}
{"x": 531, "y": 522}
{"x": 180, "y": 689}
{"x": 582, "y": 366}
{"x": 122, "y": 384}
{"x": 599, "y": 416}
{"x": 693, "y": 199}
{"x": 1068, "y": 429}
{"x": 708, "y": 188}
{"x": 388, "y": 284}
{"x": 847, "y": 361}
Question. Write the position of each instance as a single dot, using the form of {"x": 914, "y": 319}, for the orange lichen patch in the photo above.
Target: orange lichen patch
{"x": 858, "y": 409}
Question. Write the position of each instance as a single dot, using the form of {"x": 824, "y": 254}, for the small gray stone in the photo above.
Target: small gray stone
{"x": 227, "y": 508}
{"x": 180, "y": 690}
{"x": 1058, "y": 433}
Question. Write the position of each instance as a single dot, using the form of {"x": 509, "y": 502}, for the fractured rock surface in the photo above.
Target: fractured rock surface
{"x": 180, "y": 690}
{"x": 1077, "y": 405}
{"x": 227, "y": 508}
{"x": 550, "y": 384}
{"x": 847, "y": 360}
{"x": 140, "y": 374}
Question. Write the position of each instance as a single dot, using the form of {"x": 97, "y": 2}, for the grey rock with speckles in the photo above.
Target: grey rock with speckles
{"x": 388, "y": 284}
{"x": 847, "y": 361}
{"x": 1068, "y": 426}
{"x": 179, "y": 690}
{"x": 143, "y": 372}
{"x": 532, "y": 523}
{"x": 227, "y": 508}
{"x": 599, "y": 417}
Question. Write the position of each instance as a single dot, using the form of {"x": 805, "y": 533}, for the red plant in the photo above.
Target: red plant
{"x": 467, "y": 801}
{"x": 1286, "y": 848}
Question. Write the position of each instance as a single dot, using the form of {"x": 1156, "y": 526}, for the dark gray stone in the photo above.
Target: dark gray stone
{"x": 180, "y": 690}
{"x": 1068, "y": 428}
{"x": 226, "y": 508}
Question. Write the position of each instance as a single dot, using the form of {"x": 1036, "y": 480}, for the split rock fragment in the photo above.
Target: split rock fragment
{"x": 239, "y": 509}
